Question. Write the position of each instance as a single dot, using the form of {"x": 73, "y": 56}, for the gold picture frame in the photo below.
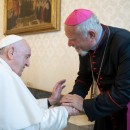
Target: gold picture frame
{"x": 31, "y": 16}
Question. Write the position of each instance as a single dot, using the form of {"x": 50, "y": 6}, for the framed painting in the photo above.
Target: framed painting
{"x": 31, "y": 16}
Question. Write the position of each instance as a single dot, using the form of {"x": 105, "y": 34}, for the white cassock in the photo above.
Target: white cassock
{"x": 20, "y": 110}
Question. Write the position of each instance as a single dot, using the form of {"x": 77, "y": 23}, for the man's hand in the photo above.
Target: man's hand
{"x": 71, "y": 111}
{"x": 75, "y": 101}
{"x": 56, "y": 92}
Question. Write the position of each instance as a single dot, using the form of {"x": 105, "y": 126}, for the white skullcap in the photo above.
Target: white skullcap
{"x": 8, "y": 40}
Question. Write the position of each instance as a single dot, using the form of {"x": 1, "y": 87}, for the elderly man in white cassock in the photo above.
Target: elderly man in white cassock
{"x": 18, "y": 107}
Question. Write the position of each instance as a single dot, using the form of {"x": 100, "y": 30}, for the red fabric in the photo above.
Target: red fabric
{"x": 128, "y": 116}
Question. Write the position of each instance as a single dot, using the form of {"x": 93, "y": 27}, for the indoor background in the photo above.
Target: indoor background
{"x": 52, "y": 59}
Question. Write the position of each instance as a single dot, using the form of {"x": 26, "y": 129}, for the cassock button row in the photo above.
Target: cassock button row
{"x": 93, "y": 62}
{"x": 114, "y": 123}
{"x": 94, "y": 52}
{"x": 95, "y": 69}
{"x": 101, "y": 77}
{"x": 93, "y": 56}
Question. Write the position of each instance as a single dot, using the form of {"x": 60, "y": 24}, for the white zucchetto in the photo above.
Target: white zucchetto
{"x": 10, "y": 39}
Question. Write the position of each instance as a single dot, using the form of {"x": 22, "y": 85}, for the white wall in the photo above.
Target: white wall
{"x": 52, "y": 59}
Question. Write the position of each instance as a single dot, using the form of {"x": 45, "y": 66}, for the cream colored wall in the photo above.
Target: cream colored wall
{"x": 52, "y": 59}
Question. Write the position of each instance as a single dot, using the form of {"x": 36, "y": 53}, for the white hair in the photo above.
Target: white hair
{"x": 2, "y": 50}
{"x": 90, "y": 24}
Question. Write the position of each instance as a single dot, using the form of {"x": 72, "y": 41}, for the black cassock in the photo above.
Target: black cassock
{"x": 109, "y": 108}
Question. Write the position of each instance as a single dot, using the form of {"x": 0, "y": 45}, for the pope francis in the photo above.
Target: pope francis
{"x": 18, "y": 107}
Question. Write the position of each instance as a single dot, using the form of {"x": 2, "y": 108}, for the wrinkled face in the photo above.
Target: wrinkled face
{"x": 81, "y": 43}
{"x": 21, "y": 55}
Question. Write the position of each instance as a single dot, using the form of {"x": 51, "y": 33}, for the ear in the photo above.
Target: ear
{"x": 10, "y": 52}
{"x": 92, "y": 34}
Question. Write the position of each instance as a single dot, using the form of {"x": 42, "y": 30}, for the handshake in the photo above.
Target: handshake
{"x": 72, "y": 103}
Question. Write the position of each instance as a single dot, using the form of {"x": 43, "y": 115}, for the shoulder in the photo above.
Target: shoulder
{"x": 5, "y": 75}
{"x": 119, "y": 34}
{"x": 119, "y": 38}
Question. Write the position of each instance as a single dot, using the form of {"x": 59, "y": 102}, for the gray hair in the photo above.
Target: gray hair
{"x": 2, "y": 50}
{"x": 90, "y": 24}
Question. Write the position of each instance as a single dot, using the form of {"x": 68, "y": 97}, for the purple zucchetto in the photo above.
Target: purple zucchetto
{"x": 78, "y": 16}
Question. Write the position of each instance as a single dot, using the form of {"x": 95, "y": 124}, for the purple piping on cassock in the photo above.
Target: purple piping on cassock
{"x": 128, "y": 116}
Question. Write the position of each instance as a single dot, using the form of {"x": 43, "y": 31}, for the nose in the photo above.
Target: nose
{"x": 27, "y": 63}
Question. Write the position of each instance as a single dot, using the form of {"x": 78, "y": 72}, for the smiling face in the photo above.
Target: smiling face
{"x": 20, "y": 54}
{"x": 78, "y": 41}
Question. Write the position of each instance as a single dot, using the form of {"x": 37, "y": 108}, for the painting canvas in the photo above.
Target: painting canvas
{"x": 31, "y": 16}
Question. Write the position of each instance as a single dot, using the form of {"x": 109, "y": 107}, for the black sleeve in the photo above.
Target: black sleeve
{"x": 84, "y": 80}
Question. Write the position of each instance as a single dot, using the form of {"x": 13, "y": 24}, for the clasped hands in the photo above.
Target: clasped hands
{"x": 73, "y": 100}
{"x": 72, "y": 103}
